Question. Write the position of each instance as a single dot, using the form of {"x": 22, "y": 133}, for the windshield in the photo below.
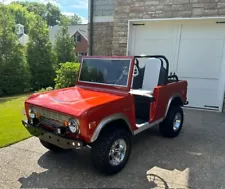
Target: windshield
{"x": 105, "y": 71}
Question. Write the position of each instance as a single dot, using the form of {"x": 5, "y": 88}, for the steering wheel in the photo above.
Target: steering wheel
{"x": 136, "y": 68}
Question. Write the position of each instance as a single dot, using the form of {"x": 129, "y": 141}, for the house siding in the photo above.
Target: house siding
{"x": 144, "y": 9}
{"x": 81, "y": 46}
{"x": 124, "y": 10}
{"x": 102, "y": 38}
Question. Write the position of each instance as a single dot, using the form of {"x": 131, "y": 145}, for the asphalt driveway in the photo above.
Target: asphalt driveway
{"x": 196, "y": 159}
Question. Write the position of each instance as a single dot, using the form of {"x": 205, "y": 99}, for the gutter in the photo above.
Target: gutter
{"x": 91, "y": 27}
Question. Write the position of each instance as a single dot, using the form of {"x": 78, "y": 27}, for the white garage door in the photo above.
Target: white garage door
{"x": 195, "y": 51}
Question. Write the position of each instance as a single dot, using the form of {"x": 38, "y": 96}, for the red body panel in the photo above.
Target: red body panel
{"x": 73, "y": 101}
{"x": 162, "y": 96}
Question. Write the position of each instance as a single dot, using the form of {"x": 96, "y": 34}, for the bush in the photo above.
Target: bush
{"x": 66, "y": 75}
{"x": 45, "y": 89}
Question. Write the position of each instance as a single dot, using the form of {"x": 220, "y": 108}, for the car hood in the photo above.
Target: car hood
{"x": 73, "y": 101}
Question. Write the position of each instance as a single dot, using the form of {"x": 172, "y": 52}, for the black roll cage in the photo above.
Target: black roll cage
{"x": 169, "y": 78}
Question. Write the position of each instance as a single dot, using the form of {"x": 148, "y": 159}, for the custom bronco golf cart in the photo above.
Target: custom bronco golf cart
{"x": 114, "y": 99}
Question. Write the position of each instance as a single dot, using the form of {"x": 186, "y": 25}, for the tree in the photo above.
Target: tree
{"x": 70, "y": 20}
{"x": 50, "y": 13}
{"x": 65, "y": 46}
{"x": 22, "y": 16}
{"x": 40, "y": 56}
{"x": 14, "y": 75}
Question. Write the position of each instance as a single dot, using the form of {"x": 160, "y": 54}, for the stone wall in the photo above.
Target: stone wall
{"x": 102, "y": 38}
{"x": 103, "y": 7}
{"x": 146, "y": 9}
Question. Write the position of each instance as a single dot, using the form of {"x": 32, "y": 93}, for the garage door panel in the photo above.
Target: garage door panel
{"x": 202, "y": 31}
{"x": 201, "y": 58}
{"x": 156, "y": 31}
{"x": 202, "y": 93}
{"x": 156, "y": 39}
{"x": 195, "y": 51}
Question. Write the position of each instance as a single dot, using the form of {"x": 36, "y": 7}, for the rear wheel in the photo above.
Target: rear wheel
{"x": 50, "y": 146}
{"x": 111, "y": 151}
{"x": 173, "y": 123}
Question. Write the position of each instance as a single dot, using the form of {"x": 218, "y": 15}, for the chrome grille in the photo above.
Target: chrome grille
{"x": 51, "y": 114}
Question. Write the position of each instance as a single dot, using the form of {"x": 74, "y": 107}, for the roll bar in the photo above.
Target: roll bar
{"x": 161, "y": 57}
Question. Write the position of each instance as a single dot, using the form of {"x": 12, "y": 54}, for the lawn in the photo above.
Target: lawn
{"x": 11, "y": 114}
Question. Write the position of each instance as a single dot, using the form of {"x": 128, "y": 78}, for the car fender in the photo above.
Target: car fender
{"x": 170, "y": 101}
{"x": 108, "y": 119}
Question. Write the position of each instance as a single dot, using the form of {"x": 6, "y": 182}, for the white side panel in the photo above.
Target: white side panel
{"x": 151, "y": 75}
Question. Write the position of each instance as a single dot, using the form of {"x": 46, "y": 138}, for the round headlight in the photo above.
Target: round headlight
{"x": 73, "y": 126}
{"x": 32, "y": 113}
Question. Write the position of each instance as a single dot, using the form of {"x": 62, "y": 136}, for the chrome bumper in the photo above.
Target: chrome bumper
{"x": 52, "y": 138}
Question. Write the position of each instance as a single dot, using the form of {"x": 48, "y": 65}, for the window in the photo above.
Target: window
{"x": 80, "y": 54}
{"x": 105, "y": 71}
{"x": 78, "y": 38}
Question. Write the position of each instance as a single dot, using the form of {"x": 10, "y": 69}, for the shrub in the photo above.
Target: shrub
{"x": 45, "y": 89}
{"x": 66, "y": 75}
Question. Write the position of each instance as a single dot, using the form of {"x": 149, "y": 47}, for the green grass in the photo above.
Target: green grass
{"x": 11, "y": 114}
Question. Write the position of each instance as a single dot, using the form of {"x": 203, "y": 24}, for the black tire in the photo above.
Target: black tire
{"x": 101, "y": 148}
{"x": 51, "y": 147}
{"x": 166, "y": 127}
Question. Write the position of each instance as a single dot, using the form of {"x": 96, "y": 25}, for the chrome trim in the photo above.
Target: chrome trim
{"x": 148, "y": 125}
{"x": 169, "y": 102}
{"x": 106, "y": 120}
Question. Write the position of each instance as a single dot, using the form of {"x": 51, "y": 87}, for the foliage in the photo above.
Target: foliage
{"x": 70, "y": 20}
{"x": 40, "y": 56}
{"x": 50, "y": 13}
{"x": 46, "y": 89}
{"x": 91, "y": 74}
{"x": 64, "y": 47}
{"x": 67, "y": 75}
{"x": 22, "y": 16}
{"x": 14, "y": 76}
{"x": 11, "y": 111}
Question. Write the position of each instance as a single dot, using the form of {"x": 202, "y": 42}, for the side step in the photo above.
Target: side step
{"x": 143, "y": 125}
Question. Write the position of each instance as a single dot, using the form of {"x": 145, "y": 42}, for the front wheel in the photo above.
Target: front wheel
{"x": 173, "y": 122}
{"x": 111, "y": 151}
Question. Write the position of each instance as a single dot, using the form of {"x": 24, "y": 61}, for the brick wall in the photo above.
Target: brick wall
{"x": 138, "y": 9}
{"x": 81, "y": 46}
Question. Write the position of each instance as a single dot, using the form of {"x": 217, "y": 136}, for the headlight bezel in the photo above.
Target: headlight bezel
{"x": 32, "y": 113}
{"x": 74, "y": 126}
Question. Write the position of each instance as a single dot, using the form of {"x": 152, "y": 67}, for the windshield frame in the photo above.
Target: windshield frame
{"x": 105, "y": 85}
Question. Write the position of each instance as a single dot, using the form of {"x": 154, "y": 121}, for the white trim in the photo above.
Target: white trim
{"x": 80, "y": 34}
{"x": 178, "y": 19}
{"x": 221, "y": 83}
{"x": 103, "y": 19}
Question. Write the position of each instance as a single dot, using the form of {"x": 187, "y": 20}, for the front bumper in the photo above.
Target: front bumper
{"x": 52, "y": 138}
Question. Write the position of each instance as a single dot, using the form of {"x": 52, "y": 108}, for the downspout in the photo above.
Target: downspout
{"x": 91, "y": 26}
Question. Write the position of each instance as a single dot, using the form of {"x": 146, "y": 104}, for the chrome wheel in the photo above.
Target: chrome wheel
{"x": 117, "y": 152}
{"x": 177, "y": 121}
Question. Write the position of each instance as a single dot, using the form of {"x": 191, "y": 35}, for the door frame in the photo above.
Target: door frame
{"x": 209, "y": 20}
